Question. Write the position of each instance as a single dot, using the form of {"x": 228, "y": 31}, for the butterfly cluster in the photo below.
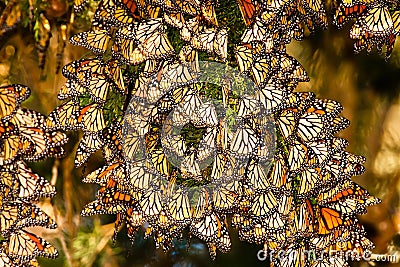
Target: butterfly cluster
{"x": 308, "y": 202}
{"x": 377, "y": 23}
{"x": 295, "y": 198}
{"x": 23, "y": 138}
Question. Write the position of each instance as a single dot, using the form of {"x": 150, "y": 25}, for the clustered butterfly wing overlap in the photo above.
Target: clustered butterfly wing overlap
{"x": 305, "y": 201}
{"x": 24, "y": 138}
{"x": 377, "y": 23}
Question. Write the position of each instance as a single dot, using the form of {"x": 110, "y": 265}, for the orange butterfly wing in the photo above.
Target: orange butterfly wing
{"x": 248, "y": 9}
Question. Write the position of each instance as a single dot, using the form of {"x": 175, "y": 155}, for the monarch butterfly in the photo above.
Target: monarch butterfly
{"x": 396, "y": 22}
{"x": 190, "y": 28}
{"x": 298, "y": 156}
{"x": 179, "y": 207}
{"x": 309, "y": 182}
{"x": 79, "y": 5}
{"x": 97, "y": 207}
{"x": 253, "y": 232}
{"x": 179, "y": 119}
{"x": 104, "y": 16}
{"x": 343, "y": 234}
{"x": 271, "y": 96}
{"x": 175, "y": 19}
{"x": 63, "y": 117}
{"x": 249, "y": 9}
{"x": 151, "y": 203}
{"x": 40, "y": 142}
{"x": 17, "y": 215}
{"x": 140, "y": 175}
{"x": 134, "y": 215}
{"x": 189, "y": 166}
{"x": 257, "y": 176}
{"x": 208, "y": 12}
{"x": 343, "y": 189}
{"x": 348, "y": 198}
{"x": 256, "y": 32}
{"x": 94, "y": 40}
{"x": 13, "y": 146}
{"x": 218, "y": 166}
{"x": 244, "y": 141}
{"x": 78, "y": 70}
{"x": 174, "y": 146}
{"x": 190, "y": 7}
{"x": 132, "y": 7}
{"x": 345, "y": 164}
{"x": 279, "y": 173}
{"x": 147, "y": 28}
{"x": 224, "y": 199}
{"x": 205, "y": 115}
{"x": 374, "y": 27}
{"x": 290, "y": 69}
{"x": 329, "y": 219}
{"x": 314, "y": 10}
{"x": 133, "y": 219}
{"x": 97, "y": 87}
{"x": 327, "y": 107}
{"x": 29, "y": 185}
{"x": 115, "y": 74}
{"x": 90, "y": 143}
{"x": 260, "y": 70}
{"x": 114, "y": 193}
{"x": 113, "y": 148}
{"x": 175, "y": 75}
{"x": 133, "y": 146}
{"x": 71, "y": 89}
{"x": 148, "y": 11}
{"x": 244, "y": 57}
{"x": 275, "y": 222}
{"x": 303, "y": 218}
{"x": 320, "y": 151}
{"x": 349, "y": 9}
{"x": 27, "y": 118}
{"x": 11, "y": 96}
{"x": 248, "y": 106}
{"x": 207, "y": 147}
{"x": 357, "y": 245}
{"x": 311, "y": 126}
{"x": 138, "y": 124}
{"x": 91, "y": 118}
{"x": 24, "y": 246}
{"x": 102, "y": 175}
{"x": 124, "y": 50}
{"x": 263, "y": 204}
{"x": 147, "y": 89}
{"x": 157, "y": 46}
{"x": 213, "y": 41}
{"x": 213, "y": 230}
